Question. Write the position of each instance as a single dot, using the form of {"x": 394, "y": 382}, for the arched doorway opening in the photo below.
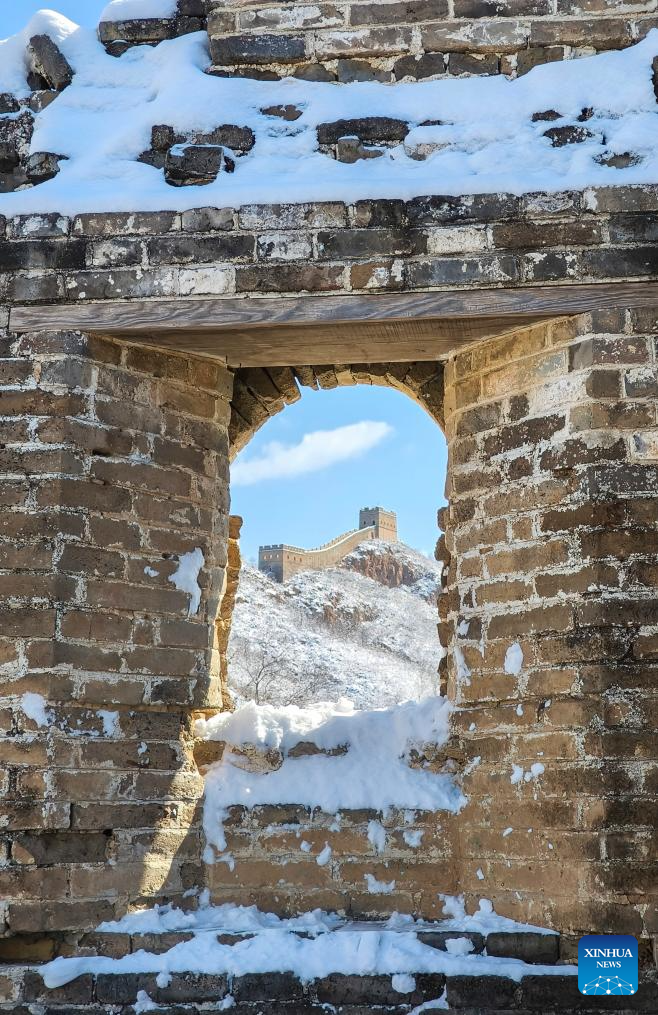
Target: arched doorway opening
{"x": 308, "y": 844}
{"x": 357, "y": 615}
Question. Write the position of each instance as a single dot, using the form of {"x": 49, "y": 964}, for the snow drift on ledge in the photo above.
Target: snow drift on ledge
{"x": 373, "y": 773}
{"x": 103, "y": 120}
{"x": 325, "y": 946}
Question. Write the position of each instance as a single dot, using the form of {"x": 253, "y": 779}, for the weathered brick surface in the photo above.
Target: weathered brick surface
{"x": 122, "y": 469}
{"x": 115, "y": 460}
{"x": 272, "y": 993}
{"x": 545, "y": 554}
{"x": 393, "y": 41}
{"x": 371, "y": 246}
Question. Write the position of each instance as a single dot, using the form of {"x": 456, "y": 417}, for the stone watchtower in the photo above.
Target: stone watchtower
{"x": 384, "y": 523}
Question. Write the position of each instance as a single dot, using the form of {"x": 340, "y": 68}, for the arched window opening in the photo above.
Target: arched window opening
{"x": 338, "y": 587}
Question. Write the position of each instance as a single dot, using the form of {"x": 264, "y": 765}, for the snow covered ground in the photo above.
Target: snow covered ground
{"x": 337, "y": 633}
{"x": 103, "y": 120}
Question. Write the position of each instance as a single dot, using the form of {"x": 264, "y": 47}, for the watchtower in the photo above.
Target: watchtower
{"x": 384, "y": 522}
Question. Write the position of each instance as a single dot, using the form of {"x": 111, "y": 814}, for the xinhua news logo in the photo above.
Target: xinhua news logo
{"x": 607, "y": 965}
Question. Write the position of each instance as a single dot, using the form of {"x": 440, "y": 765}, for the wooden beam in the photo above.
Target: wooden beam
{"x": 388, "y": 341}
{"x": 113, "y": 317}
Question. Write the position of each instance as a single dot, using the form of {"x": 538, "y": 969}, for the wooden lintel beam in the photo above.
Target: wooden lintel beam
{"x": 386, "y": 341}
{"x": 113, "y": 317}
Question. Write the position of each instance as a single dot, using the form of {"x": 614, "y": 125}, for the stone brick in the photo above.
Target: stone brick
{"x": 186, "y": 249}
{"x": 418, "y": 68}
{"x": 483, "y": 270}
{"x": 369, "y": 130}
{"x": 49, "y": 61}
{"x": 285, "y": 278}
{"x": 485, "y": 36}
{"x": 231, "y": 50}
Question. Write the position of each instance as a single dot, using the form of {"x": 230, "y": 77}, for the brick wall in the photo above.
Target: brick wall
{"x": 369, "y": 247}
{"x": 551, "y": 538}
{"x": 116, "y": 460}
{"x": 114, "y": 464}
{"x": 395, "y": 41}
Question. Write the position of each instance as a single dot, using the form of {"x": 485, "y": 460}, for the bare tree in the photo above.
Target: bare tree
{"x": 262, "y": 676}
{"x": 253, "y": 673}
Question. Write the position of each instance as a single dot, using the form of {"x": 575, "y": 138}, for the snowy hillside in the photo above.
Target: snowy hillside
{"x": 333, "y": 633}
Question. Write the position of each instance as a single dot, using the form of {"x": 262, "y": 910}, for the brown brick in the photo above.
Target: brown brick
{"x": 289, "y": 278}
{"x": 527, "y": 558}
{"x": 90, "y": 560}
{"x": 613, "y": 543}
{"x": 541, "y": 619}
{"x": 117, "y": 474}
{"x": 57, "y": 916}
{"x": 579, "y": 581}
{"x": 134, "y": 597}
{"x": 114, "y": 532}
{"x": 503, "y": 592}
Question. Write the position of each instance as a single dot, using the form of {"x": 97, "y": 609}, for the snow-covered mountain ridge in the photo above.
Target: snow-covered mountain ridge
{"x": 365, "y": 630}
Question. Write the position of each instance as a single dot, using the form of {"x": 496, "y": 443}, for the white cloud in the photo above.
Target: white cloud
{"x": 317, "y": 450}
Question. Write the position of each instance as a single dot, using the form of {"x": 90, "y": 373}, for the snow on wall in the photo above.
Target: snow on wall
{"x": 373, "y": 773}
{"x": 103, "y": 120}
{"x": 327, "y": 948}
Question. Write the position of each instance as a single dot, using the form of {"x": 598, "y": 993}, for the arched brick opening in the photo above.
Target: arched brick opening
{"x": 552, "y": 490}
{"x": 260, "y": 393}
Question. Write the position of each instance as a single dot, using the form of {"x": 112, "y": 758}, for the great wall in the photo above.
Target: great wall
{"x": 281, "y": 561}
{"x": 141, "y": 347}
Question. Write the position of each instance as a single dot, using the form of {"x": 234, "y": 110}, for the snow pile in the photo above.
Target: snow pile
{"x": 34, "y": 707}
{"x": 326, "y": 947}
{"x": 487, "y": 140}
{"x": 514, "y": 659}
{"x": 13, "y": 63}
{"x": 372, "y": 773}
{"x": 333, "y": 633}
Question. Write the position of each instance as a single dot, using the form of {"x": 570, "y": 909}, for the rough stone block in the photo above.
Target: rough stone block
{"x": 541, "y": 948}
{"x": 49, "y": 61}
{"x": 368, "y": 129}
{"x": 480, "y": 992}
{"x": 42, "y": 166}
{"x": 232, "y": 50}
{"x": 192, "y": 165}
{"x": 8, "y": 103}
{"x": 267, "y": 987}
{"x": 350, "y": 150}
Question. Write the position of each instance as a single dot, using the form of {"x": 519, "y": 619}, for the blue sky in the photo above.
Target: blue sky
{"x": 395, "y": 459}
{"x": 14, "y": 14}
{"x": 391, "y": 453}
